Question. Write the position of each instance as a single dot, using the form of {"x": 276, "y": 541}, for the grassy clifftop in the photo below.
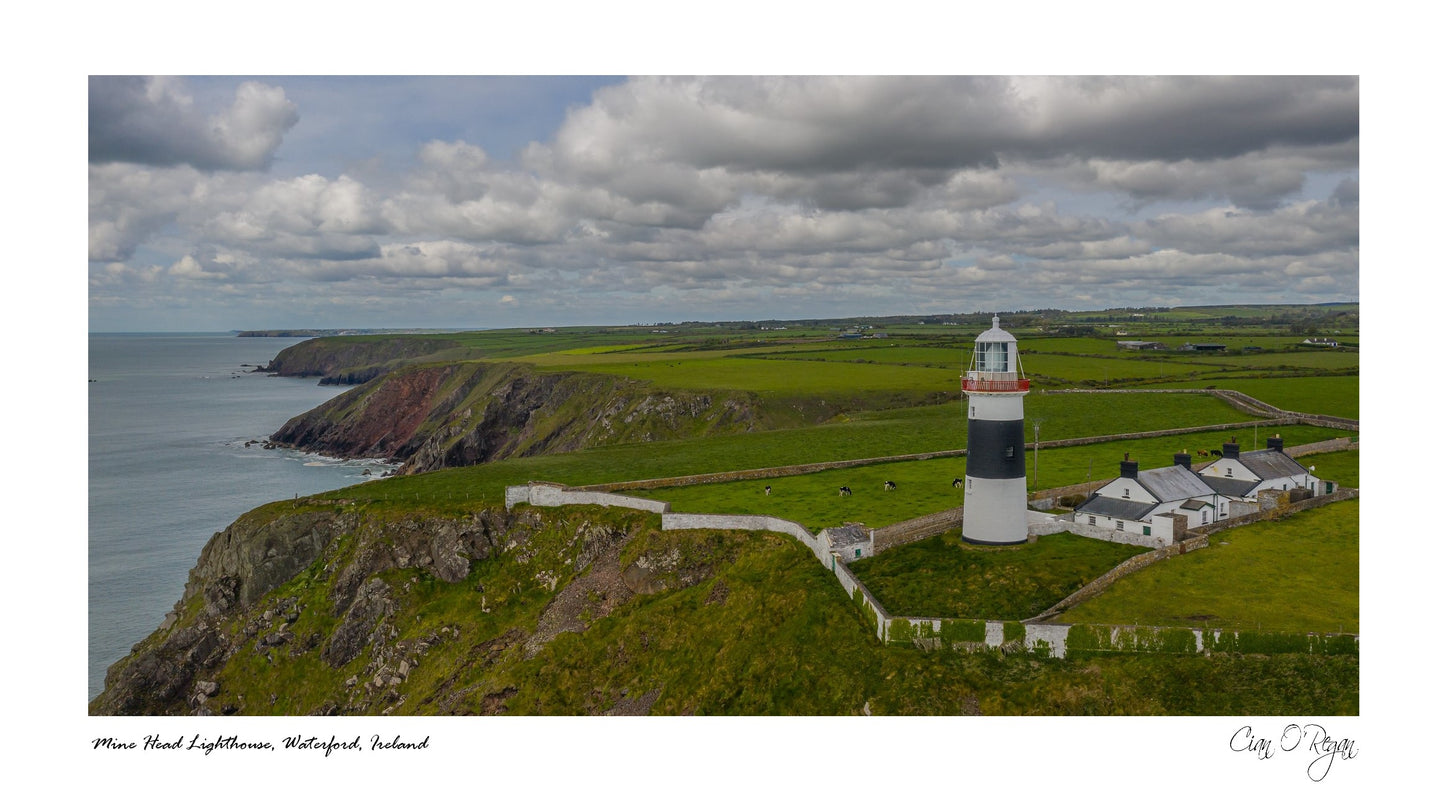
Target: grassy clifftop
{"x": 446, "y": 415}
{"x": 355, "y": 359}
{"x": 592, "y": 611}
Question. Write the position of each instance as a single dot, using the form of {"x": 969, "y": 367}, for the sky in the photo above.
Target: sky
{"x": 219, "y": 203}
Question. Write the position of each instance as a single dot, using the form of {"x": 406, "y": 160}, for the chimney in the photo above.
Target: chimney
{"x": 1128, "y": 468}
{"x": 1184, "y": 459}
{"x": 1231, "y": 448}
{"x": 1274, "y": 443}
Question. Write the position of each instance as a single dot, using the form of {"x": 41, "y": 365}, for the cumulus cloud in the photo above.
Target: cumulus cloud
{"x": 793, "y": 193}
{"x": 154, "y": 121}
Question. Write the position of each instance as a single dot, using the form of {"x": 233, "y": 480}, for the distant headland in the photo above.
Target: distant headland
{"x": 339, "y": 332}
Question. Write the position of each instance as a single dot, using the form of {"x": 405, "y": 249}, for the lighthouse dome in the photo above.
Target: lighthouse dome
{"x": 996, "y": 335}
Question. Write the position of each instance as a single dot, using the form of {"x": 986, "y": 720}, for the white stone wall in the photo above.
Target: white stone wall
{"x": 993, "y": 633}
{"x": 1132, "y": 534}
{"x": 815, "y": 543}
{"x": 553, "y": 496}
{"x": 1055, "y": 635}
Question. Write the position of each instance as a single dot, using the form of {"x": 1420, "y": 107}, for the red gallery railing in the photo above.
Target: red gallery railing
{"x": 984, "y": 385}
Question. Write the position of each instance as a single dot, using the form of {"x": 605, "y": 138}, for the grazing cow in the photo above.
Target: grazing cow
{"x": 1216, "y": 453}
{"x": 888, "y": 485}
{"x": 845, "y": 491}
{"x": 958, "y": 482}
{"x": 767, "y": 490}
{"x": 1203, "y": 453}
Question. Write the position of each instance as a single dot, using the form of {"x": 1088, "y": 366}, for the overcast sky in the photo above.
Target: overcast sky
{"x": 270, "y": 202}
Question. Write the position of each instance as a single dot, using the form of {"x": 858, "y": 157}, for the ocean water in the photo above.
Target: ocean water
{"x": 170, "y": 416}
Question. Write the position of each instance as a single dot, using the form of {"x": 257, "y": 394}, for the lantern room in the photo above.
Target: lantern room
{"x": 995, "y": 365}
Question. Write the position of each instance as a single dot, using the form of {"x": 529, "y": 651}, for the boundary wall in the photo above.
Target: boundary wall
{"x": 817, "y": 544}
{"x": 801, "y": 469}
{"x": 1043, "y": 639}
{"x": 1247, "y": 403}
{"x": 553, "y": 495}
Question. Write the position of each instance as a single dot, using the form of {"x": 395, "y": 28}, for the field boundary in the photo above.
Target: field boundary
{"x": 1245, "y": 403}
{"x": 1032, "y": 634}
{"x": 1041, "y": 638}
{"x": 802, "y": 469}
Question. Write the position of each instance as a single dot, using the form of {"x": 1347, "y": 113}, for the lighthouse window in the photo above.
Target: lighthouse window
{"x": 973, "y": 411}
{"x": 993, "y": 357}
{"x": 1008, "y": 452}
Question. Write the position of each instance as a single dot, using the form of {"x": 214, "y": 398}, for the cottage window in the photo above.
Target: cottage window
{"x": 1091, "y": 521}
{"x": 1146, "y": 531}
{"x": 1119, "y": 526}
{"x": 1126, "y": 493}
{"x": 857, "y": 552}
{"x": 1228, "y": 471}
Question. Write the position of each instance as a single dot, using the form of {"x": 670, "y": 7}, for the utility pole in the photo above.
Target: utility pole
{"x": 1037, "y": 423}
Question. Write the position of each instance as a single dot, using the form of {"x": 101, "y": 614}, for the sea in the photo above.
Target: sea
{"x": 177, "y": 427}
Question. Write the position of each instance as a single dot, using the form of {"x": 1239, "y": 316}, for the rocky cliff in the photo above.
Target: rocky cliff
{"x": 331, "y": 606}
{"x": 355, "y": 360}
{"x": 317, "y": 607}
{"x": 434, "y": 416}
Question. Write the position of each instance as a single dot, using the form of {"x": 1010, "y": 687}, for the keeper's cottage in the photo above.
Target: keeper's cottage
{"x": 1163, "y": 503}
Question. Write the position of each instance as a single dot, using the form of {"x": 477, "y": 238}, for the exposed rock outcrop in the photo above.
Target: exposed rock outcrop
{"x": 434, "y": 416}
{"x": 320, "y": 583}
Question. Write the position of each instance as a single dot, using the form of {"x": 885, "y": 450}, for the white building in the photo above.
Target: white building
{"x": 995, "y": 497}
{"x": 1157, "y": 503}
{"x": 1162, "y": 503}
{"x": 1244, "y": 475}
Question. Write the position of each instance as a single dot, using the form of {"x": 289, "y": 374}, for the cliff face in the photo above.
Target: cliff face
{"x": 320, "y": 608}
{"x": 352, "y": 360}
{"x": 435, "y": 416}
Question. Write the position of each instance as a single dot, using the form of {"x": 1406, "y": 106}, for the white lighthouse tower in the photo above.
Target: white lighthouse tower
{"x": 995, "y": 497}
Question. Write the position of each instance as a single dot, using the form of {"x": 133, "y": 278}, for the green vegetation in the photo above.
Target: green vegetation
{"x": 1338, "y": 396}
{"x": 1299, "y": 574}
{"x": 748, "y": 623}
{"x": 944, "y": 577}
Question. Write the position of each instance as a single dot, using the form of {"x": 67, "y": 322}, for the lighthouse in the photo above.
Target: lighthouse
{"x": 995, "y": 496}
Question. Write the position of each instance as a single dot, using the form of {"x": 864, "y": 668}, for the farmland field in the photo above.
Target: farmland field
{"x": 1338, "y": 396}
{"x": 766, "y": 629}
{"x": 943, "y": 577}
{"x": 1298, "y": 574}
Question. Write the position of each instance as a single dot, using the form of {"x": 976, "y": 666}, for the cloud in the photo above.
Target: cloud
{"x": 154, "y": 121}
{"x": 759, "y": 194}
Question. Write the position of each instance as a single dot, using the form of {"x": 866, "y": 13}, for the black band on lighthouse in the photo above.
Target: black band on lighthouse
{"x": 996, "y": 449}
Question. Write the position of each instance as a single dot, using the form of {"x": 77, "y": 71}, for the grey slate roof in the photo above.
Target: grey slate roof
{"x": 1173, "y": 483}
{"x": 1230, "y": 486}
{"x": 1270, "y": 464}
{"x": 1109, "y": 507}
{"x": 846, "y": 536}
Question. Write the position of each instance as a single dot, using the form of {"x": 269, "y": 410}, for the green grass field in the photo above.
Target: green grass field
{"x": 1338, "y": 396}
{"x": 1297, "y": 574}
{"x": 925, "y": 486}
{"x": 943, "y": 577}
